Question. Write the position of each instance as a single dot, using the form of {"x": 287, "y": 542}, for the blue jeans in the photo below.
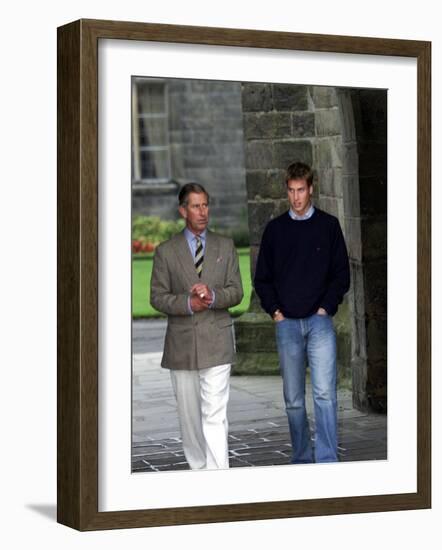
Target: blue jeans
{"x": 312, "y": 339}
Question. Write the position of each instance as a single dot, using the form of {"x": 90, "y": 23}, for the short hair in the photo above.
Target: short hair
{"x": 299, "y": 171}
{"x": 190, "y": 188}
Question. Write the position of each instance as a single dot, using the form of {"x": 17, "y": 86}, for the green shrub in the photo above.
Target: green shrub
{"x": 154, "y": 230}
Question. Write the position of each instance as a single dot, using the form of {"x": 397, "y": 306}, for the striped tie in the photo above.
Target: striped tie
{"x": 199, "y": 256}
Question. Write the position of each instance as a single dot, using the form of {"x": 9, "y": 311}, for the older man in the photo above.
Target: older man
{"x": 195, "y": 279}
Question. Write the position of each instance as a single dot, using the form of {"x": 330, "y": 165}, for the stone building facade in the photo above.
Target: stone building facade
{"x": 202, "y": 142}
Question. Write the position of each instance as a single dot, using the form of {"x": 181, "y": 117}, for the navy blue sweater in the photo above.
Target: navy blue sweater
{"x": 302, "y": 265}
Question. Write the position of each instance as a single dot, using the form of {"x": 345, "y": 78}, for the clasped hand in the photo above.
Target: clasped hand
{"x": 200, "y": 297}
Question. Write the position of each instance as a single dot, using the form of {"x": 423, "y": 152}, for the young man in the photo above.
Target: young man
{"x": 302, "y": 274}
{"x": 195, "y": 278}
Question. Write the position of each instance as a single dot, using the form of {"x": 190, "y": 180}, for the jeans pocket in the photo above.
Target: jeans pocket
{"x": 279, "y": 325}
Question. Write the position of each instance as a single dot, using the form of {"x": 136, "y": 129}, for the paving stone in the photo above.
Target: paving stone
{"x": 271, "y": 460}
{"x": 235, "y": 463}
{"x": 274, "y": 436}
{"x": 152, "y": 454}
{"x": 261, "y": 446}
{"x": 142, "y": 467}
{"x": 144, "y": 449}
{"x": 244, "y": 436}
{"x": 236, "y": 446}
{"x": 363, "y": 457}
{"x": 171, "y": 459}
{"x": 367, "y": 445}
{"x": 138, "y": 441}
{"x": 157, "y": 433}
{"x": 175, "y": 467}
{"x": 138, "y": 464}
{"x": 260, "y": 426}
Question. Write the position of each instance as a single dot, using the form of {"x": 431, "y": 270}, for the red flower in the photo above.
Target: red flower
{"x": 136, "y": 246}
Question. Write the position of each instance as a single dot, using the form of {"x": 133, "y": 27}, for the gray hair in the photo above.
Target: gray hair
{"x": 190, "y": 188}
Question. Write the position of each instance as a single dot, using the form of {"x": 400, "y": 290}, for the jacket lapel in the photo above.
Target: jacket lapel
{"x": 184, "y": 256}
{"x": 210, "y": 257}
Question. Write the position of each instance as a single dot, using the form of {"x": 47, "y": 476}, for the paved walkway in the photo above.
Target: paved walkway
{"x": 258, "y": 430}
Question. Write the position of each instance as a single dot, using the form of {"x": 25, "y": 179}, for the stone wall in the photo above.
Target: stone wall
{"x": 207, "y": 147}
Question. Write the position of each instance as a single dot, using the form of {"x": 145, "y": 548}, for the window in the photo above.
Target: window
{"x": 150, "y": 132}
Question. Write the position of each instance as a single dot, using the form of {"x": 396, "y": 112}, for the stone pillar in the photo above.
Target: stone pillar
{"x": 363, "y": 120}
{"x": 329, "y": 159}
{"x": 352, "y": 223}
{"x": 370, "y": 111}
{"x": 278, "y": 128}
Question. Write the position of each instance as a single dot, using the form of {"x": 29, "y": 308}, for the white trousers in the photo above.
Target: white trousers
{"x": 202, "y": 397}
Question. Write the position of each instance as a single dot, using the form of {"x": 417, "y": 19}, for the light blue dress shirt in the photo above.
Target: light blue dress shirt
{"x": 191, "y": 240}
{"x": 305, "y": 216}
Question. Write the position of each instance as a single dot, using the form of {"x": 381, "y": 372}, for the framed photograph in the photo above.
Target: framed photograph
{"x": 142, "y": 110}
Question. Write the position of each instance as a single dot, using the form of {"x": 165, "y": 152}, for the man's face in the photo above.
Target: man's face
{"x": 196, "y": 212}
{"x": 299, "y": 194}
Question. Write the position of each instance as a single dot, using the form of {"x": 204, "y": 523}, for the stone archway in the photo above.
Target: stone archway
{"x": 342, "y": 132}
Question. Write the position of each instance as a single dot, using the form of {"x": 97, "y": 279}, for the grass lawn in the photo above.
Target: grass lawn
{"x": 142, "y": 271}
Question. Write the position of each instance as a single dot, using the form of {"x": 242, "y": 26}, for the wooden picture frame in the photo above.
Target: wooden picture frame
{"x": 77, "y": 459}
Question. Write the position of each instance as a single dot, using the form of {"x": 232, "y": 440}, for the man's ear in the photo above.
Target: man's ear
{"x": 182, "y": 211}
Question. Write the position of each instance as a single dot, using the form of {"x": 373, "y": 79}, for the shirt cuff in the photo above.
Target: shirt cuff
{"x": 212, "y": 303}
{"x": 189, "y": 309}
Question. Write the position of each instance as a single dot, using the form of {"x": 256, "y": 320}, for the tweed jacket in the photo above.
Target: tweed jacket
{"x": 204, "y": 339}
